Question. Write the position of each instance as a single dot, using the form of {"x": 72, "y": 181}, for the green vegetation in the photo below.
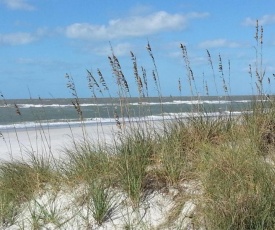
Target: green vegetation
{"x": 216, "y": 173}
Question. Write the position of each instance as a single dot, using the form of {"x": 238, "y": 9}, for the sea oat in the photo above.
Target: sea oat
{"x": 17, "y": 109}
{"x": 155, "y": 72}
{"x": 262, "y": 34}
{"x": 77, "y": 107}
{"x": 179, "y": 86}
{"x": 101, "y": 80}
{"x": 154, "y": 77}
{"x": 250, "y": 71}
{"x": 225, "y": 88}
{"x": 118, "y": 124}
{"x": 213, "y": 72}
{"x": 75, "y": 101}
{"x": 92, "y": 82}
{"x": 137, "y": 77}
{"x": 144, "y": 76}
{"x": 190, "y": 74}
{"x": 3, "y": 98}
{"x": 117, "y": 71}
{"x": 257, "y": 30}
{"x": 206, "y": 88}
{"x": 229, "y": 75}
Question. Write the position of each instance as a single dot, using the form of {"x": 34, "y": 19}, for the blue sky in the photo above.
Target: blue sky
{"x": 42, "y": 40}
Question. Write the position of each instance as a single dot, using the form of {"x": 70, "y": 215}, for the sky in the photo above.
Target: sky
{"x": 43, "y": 40}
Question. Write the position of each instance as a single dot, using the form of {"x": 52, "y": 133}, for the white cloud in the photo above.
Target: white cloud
{"x": 132, "y": 27}
{"x": 23, "y": 38}
{"x": 17, "y": 38}
{"x": 17, "y": 4}
{"x": 217, "y": 43}
{"x": 120, "y": 49}
{"x": 266, "y": 19}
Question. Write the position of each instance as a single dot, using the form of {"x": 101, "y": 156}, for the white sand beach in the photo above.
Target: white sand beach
{"x": 17, "y": 144}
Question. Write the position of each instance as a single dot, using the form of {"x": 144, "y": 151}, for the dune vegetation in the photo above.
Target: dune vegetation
{"x": 199, "y": 172}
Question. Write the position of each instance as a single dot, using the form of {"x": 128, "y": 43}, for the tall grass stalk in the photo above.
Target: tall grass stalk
{"x": 101, "y": 202}
{"x": 76, "y": 102}
{"x": 133, "y": 157}
{"x": 86, "y": 163}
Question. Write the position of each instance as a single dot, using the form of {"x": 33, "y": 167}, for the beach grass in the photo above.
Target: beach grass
{"x": 21, "y": 182}
{"x": 200, "y": 172}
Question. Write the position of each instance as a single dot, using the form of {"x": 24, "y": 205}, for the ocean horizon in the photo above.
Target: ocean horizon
{"x": 30, "y": 113}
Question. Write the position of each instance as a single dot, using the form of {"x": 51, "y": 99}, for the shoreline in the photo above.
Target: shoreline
{"x": 17, "y": 144}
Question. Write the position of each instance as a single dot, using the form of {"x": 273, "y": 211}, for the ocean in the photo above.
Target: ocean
{"x": 30, "y": 113}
